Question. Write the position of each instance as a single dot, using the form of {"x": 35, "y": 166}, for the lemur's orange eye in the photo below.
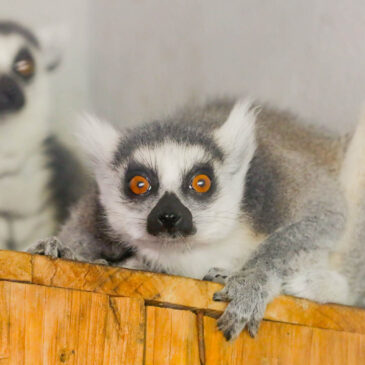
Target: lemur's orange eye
{"x": 24, "y": 64}
{"x": 139, "y": 185}
{"x": 24, "y": 68}
{"x": 201, "y": 183}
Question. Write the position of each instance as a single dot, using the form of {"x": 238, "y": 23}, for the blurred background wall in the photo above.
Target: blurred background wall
{"x": 131, "y": 60}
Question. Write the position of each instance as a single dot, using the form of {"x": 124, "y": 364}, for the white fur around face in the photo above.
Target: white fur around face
{"x": 171, "y": 161}
{"x": 22, "y": 132}
{"x": 222, "y": 236}
{"x": 195, "y": 261}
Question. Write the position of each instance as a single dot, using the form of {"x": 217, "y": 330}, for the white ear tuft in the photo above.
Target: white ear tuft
{"x": 99, "y": 139}
{"x": 237, "y": 135}
{"x": 53, "y": 40}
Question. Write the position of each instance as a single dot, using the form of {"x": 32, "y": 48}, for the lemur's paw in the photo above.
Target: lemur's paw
{"x": 248, "y": 295}
{"x": 53, "y": 247}
{"x": 217, "y": 274}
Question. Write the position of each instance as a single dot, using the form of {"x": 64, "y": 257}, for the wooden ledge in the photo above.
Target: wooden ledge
{"x": 167, "y": 291}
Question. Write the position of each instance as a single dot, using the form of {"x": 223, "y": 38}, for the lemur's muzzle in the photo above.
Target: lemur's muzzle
{"x": 170, "y": 216}
{"x": 11, "y": 95}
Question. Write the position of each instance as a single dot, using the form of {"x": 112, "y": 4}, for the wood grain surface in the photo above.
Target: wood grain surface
{"x": 64, "y": 312}
{"x": 280, "y": 343}
{"x": 15, "y": 266}
{"x": 40, "y": 325}
{"x": 187, "y": 293}
{"x": 171, "y": 337}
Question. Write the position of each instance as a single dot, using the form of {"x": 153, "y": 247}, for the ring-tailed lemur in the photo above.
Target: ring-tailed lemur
{"x": 39, "y": 178}
{"x": 247, "y": 197}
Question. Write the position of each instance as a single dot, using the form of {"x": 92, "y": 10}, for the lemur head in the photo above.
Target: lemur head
{"x": 25, "y": 62}
{"x": 23, "y": 67}
{"x": 172, "y": 184}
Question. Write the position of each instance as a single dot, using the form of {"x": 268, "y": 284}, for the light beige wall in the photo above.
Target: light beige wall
{"x": 149, "y": 56}
{"x": 133, "y": 60}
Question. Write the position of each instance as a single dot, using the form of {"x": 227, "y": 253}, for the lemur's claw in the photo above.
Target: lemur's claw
{"x": 221, "y": 296}
{"x": 231, "y": 324}
{"x": 253, "y": 327}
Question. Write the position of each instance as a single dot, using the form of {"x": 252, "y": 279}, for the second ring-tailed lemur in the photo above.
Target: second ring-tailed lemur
{"x": 39, "y": 177}
{"x": 251, "y": 198}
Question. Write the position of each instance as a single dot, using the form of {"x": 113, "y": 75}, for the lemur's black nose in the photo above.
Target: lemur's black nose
{"x": 169, "y": 220}
{"x": 170, "y": 216}
{"x": 11, "y": 95}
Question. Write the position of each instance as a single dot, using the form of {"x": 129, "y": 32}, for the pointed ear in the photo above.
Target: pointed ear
{"x": 99, "y": 139}
{"x": 237, "y": 134}
{"x": 53, "y": 40}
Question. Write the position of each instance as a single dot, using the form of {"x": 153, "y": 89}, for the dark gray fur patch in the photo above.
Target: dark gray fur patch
{"x": 263, "y": 200}
{"x": 9, "y": 27}
{"x": 156, "y": 133}
{"x": 68, "y": 179}
{"x": 110, "y": 249}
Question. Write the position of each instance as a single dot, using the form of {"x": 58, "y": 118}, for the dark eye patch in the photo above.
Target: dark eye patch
{"x": 136, "y": 169}
{"x": 199, "y": 169}
{"x": 24, "y": 64}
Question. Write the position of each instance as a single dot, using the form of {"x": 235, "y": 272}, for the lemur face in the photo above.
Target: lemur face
{"x": 173, "y": 184}
{"x": 20, "y": 68}
{"x": 172, "y": 187}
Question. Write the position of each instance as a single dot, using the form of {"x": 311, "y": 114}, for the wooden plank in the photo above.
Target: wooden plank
{"x": 4, "y": 322}
{"x": 328, "y": 316}
{"x": 50, "y": 326}
{"x": 279, "y": 343}
{"x": 337, "y": 348}
{"x": 171, "y": 337}
{"x": 125, "y": 332}
{"x": 15, "y": 266}
{"x": 123, "y": 282}
{"x": 188, "y": 293}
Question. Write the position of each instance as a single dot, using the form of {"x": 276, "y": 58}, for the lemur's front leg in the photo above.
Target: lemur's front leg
{"x": 282, "y": 255}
